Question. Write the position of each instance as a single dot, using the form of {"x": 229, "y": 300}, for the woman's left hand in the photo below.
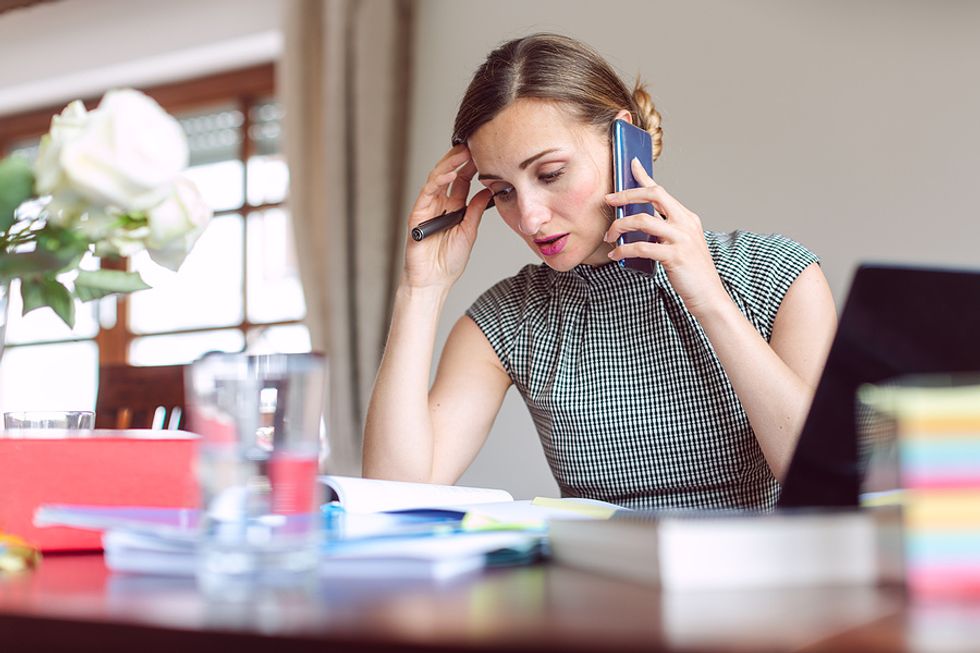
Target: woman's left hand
{"x": 681, "y": 247}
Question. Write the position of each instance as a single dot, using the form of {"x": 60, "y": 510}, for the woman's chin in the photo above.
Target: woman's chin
{"x": 560, "y": 263}
{"x": 554, "y": 265}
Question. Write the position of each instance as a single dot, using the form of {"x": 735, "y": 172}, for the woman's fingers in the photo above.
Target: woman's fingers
{"x": 656, "y": 195}
{"x": 459, "y": 189}
{"x": 651, "y": 192}
{"x": 648, "y": 224}
{"x": 475, "y": 210}
{"x": 455, "y": 166}
{"x": 655, "y": 251}
{"x": 432, "y": 192}
{"x": 640, "y": 173}
{"x": 452, "y": 159}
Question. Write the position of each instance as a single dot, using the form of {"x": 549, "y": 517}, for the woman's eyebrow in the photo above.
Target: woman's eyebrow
{"x": 524, "y": 164}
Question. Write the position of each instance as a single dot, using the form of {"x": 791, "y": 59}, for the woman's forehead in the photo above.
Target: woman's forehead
{"x": 524, "y": 129}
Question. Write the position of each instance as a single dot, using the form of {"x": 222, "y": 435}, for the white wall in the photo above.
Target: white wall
{"x": 849, "y": 126}
{"x": 57, "y": 51}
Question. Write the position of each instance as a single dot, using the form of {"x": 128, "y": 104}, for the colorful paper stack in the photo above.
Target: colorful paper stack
{"x": 938, "y": 427}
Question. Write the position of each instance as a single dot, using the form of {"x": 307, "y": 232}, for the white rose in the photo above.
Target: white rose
{"x": 103, "y": 230}
{"x": 65, "y": 208}
{"x": 48, "y": 175}
{"x": 176, "y": 224}
{"x": 127, "y": 154}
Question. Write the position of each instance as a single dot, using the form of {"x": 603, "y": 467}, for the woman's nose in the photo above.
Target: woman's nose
{"x": 533, "y": 214}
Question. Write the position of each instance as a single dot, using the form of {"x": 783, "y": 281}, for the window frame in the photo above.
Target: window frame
{"x": 243, "y": 87}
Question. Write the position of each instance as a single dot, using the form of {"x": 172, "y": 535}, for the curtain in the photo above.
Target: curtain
{"x": 344, "y": 80}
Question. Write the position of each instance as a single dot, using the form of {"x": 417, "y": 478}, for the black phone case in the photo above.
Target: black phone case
{"x": 629, "y": 142}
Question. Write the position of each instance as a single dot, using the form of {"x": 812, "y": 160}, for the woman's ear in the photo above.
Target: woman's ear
{"x": 625, "y": 115}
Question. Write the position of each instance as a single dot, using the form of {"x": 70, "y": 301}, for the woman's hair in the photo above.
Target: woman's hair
{"x": 559, "y": 69}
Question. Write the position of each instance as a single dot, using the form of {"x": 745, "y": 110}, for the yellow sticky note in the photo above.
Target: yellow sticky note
{"x": 589, "y": 509}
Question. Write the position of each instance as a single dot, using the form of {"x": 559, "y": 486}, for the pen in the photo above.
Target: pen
{"x": 440, "y": 222}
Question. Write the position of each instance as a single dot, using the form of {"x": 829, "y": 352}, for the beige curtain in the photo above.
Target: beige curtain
{"x": 344, "y": 81}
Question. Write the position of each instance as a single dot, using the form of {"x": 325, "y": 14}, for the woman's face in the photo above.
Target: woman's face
{"x": 549, "y": 175}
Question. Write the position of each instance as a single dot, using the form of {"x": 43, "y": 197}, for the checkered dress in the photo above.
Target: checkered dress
{"x": 630, "y": 402}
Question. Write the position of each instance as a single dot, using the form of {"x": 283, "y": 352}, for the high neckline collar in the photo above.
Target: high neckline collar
{"x": 611, "y": 272}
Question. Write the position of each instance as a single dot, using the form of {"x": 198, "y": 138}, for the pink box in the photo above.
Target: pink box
{"x": 138, "y": 467}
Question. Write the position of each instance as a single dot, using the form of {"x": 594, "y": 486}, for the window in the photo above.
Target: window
{"x": 238, "y": 289}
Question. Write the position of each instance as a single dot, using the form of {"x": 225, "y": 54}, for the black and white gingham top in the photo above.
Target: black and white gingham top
{"x": 630, "y": 402}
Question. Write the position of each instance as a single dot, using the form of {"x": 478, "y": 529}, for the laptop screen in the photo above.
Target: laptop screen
{"x": 896, "y": 321}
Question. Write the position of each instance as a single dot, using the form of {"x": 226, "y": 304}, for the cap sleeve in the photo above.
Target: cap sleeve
{"x": 758, "y": 270}
{"x": 501, "y": 310}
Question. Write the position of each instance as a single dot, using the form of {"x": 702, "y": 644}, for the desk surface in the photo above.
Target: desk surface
{"x": 73, "y": 603}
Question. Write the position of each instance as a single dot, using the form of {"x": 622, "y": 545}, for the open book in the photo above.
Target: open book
{"x": 365, "y": 495}
{"x": 485, "y": 507}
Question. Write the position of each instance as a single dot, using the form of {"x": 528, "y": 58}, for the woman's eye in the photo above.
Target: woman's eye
{"x": 502, "y": 195}
{"x": 549, "y": 177}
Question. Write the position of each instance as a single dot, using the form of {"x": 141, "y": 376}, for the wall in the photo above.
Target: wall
{"x": 57, "y": 51}
{"x": 849, "y": 126}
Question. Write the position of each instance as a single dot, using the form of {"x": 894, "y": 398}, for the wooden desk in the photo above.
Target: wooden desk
{"x": 73, "y": 604}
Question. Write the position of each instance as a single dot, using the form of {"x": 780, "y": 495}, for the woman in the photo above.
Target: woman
{"x": 686, "y": 388}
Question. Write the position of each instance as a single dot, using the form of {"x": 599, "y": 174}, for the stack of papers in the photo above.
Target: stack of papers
{"x": 162, "y": 541}
{"x": 436, "y": 558}
{"x": 371, "y": 528}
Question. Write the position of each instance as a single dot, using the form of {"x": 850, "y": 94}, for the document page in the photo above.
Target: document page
{"x": 364, "y": 495}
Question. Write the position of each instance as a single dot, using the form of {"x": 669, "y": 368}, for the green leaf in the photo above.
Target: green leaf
{"x": 96, "y": 284}
{"x": 48, "y": 291}
{"x": 16, "y": 186}
{"x": 22, "y": 264}
{"x": 65, "y": 245}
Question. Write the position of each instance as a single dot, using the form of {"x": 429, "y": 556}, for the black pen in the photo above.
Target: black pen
{"x": 441, "y": 222}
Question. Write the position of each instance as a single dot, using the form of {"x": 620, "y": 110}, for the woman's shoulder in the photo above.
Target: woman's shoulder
{"x": 513, "y": 295}
{"x": 749, "y": 255}
{"x": 529, "y": 280}
{"x": 746, "y": 245}
{"x": 758, "y": 269}
{"x": 503, "y": 308}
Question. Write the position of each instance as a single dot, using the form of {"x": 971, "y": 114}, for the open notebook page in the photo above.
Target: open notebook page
{"x": 363, "y": 495}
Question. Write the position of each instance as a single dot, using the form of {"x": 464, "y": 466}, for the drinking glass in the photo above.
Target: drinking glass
{"x": 258, "y": 417}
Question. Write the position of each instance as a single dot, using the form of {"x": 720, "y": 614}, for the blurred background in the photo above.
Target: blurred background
{"x": 850, "y": 126}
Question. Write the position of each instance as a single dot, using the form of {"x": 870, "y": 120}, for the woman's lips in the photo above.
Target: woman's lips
{"x": 552, "y": 246}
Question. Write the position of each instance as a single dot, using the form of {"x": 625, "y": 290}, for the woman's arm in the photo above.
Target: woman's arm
{"x": 431, "y": 436}
{"x": 774, "y": 381}
{"x": 413, "y": 434}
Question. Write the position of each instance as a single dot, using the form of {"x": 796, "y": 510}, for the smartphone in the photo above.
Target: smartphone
{"x": 629, "y": 142}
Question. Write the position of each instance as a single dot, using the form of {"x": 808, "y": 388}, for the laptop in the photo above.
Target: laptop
{"x": 897, "y": 321}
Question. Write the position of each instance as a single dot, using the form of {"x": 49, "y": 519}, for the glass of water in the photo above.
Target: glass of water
{"x": 259, "y": 419}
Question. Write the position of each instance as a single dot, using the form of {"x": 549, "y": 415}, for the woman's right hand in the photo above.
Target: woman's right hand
{"x": 440, "y": 259}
